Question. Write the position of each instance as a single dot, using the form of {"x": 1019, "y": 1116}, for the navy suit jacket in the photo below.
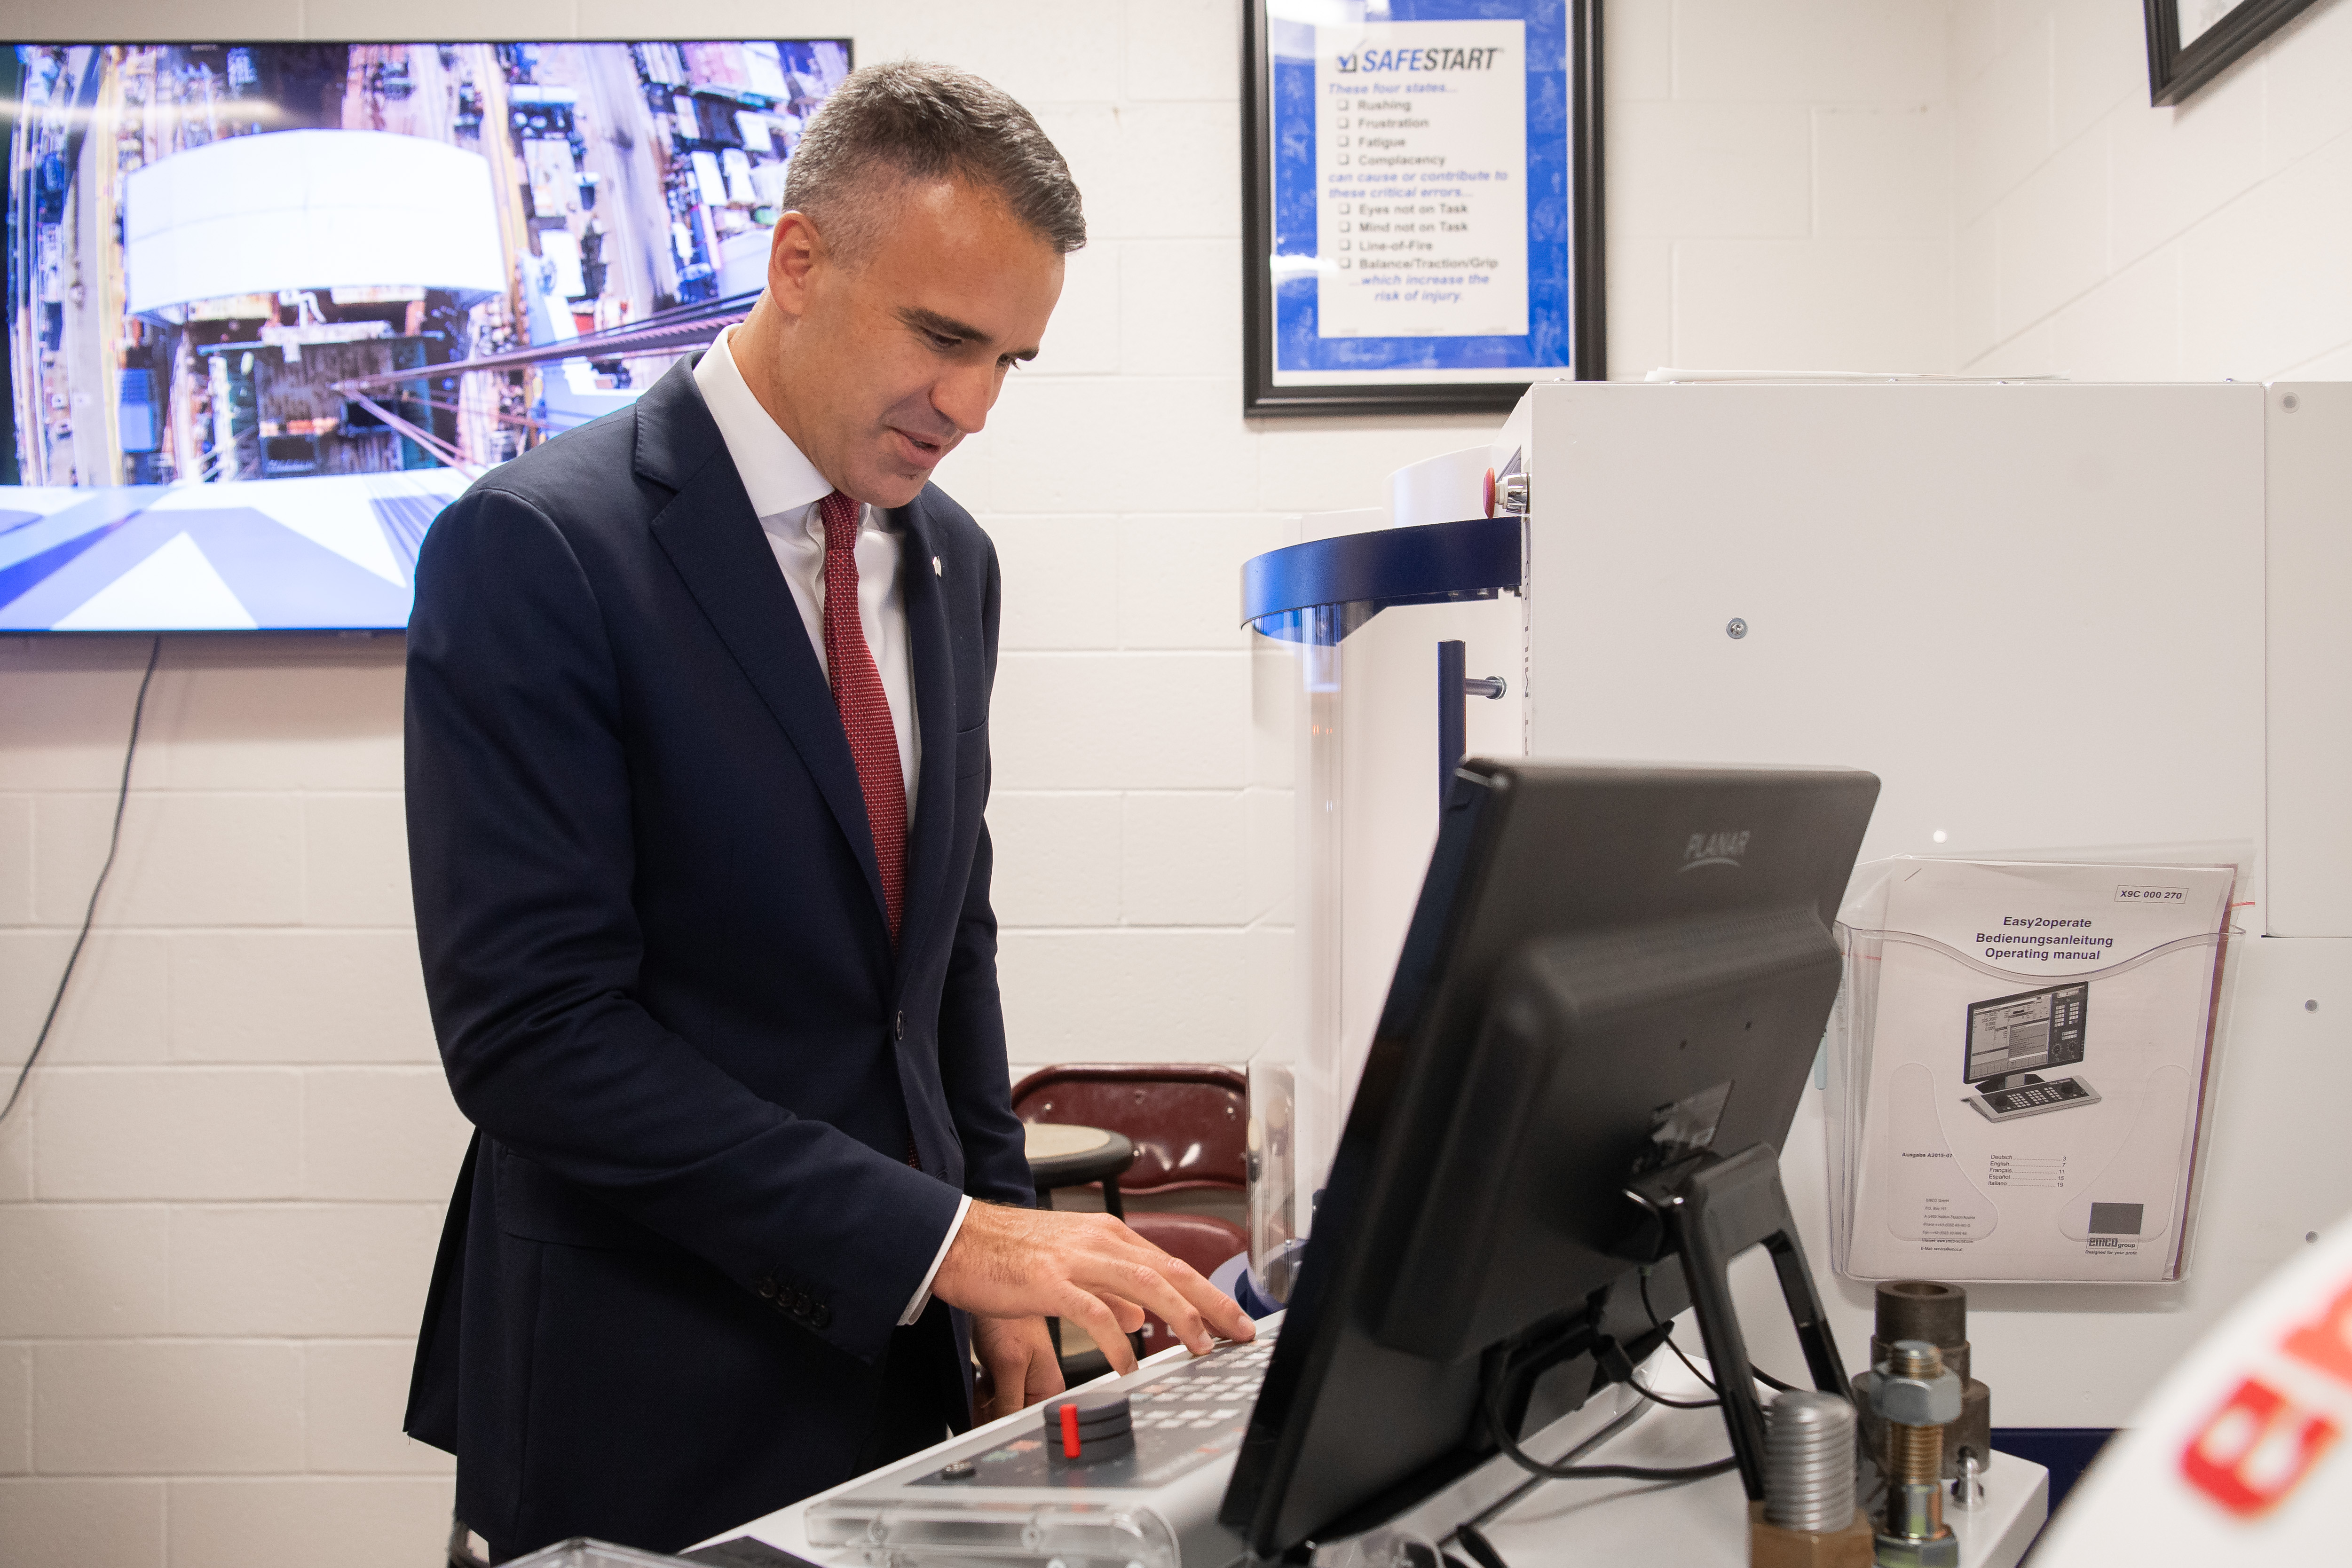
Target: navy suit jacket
{"x": 722, "y": 1127}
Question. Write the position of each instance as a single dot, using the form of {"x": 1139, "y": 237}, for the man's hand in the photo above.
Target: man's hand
{"x": 1087, "y": 1267}
{"x": 1017, "y": 1365}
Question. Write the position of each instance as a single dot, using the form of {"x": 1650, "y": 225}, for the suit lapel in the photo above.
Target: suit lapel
{"x": 713, "y": 539}
{"x": 931, "y": 656}
{"x": 932, "y": 659}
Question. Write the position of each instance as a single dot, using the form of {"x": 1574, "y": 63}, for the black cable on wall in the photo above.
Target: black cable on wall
{"x": 114, "y": 842}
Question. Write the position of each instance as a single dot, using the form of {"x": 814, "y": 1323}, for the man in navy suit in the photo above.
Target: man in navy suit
{"x": 696, "y": 754}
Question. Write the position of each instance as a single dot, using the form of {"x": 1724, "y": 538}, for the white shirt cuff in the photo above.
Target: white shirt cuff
{"x": 923, "y": 1291}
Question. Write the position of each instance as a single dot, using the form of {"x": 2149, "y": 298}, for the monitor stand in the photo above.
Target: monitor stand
{"x": 2001, "y": 1080}
{"x": 1707, "y": 1210}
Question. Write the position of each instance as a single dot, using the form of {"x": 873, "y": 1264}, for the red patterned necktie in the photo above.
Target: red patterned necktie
{"x": 865, "y": 706}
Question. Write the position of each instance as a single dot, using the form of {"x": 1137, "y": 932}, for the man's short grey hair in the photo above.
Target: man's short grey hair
{"x": 911, "y": 122}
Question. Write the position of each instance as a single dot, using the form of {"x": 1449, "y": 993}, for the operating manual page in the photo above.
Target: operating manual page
{"x": 2025, "y": 1068}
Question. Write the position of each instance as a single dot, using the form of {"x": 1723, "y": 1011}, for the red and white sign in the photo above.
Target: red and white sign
{"x": 2239, "y": 1457}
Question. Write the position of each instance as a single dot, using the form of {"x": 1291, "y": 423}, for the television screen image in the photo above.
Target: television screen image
{"x": 272, "y": 305}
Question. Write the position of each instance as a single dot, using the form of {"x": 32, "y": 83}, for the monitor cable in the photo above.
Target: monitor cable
{"x": 1655, "y": 1397}
{"x": 1474, "y": 1540}
{"x": 1762, "y": 1376}
{"x": 1491, "y": 1408}
{"x": 114, "y": 842}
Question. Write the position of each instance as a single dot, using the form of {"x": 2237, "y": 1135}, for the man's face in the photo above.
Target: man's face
{"x": 898, "y": 355}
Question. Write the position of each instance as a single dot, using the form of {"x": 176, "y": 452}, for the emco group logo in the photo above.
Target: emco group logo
{"x": 1713, "y": 849}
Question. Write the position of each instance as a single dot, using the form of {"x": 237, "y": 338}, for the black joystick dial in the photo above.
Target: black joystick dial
{"x": 1088, "y": 1428}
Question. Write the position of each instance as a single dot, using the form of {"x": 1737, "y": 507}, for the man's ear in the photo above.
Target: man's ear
{"x": 794, "y": 253}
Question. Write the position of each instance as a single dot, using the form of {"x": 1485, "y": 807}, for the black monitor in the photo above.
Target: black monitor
{"x": 1609, "y": 969}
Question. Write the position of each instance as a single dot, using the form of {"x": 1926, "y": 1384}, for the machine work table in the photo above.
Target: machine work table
{"x": 1585, "y": 1523}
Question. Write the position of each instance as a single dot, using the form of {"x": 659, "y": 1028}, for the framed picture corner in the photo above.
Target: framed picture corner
{"x": 1421, "y": 204}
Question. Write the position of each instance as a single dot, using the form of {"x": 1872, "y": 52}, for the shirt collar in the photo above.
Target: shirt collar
{"x": 779, "y": 478}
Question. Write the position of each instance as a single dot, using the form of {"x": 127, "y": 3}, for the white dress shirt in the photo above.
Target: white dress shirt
{"x": 785, "y": 488}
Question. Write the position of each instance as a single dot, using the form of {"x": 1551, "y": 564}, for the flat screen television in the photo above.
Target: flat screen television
{"x": 272, "y": 305}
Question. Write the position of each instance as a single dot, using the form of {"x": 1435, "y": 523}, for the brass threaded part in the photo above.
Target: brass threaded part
{"x": 1919, "y": 1454}
{"x": 1914, "y": 1493}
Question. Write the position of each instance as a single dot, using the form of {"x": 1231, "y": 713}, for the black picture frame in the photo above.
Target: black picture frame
{"x": 1588, "y": 316}
{"x": 2174, "y": 73}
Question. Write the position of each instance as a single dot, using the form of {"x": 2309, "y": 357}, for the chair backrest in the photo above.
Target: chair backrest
{"x": 1188, "y": 1121}
{"x": 1202, "y": 1241}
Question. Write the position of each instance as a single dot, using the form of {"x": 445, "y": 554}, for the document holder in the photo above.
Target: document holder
{"x": 2021, "y": 1066}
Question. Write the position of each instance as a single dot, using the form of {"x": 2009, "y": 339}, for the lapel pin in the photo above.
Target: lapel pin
{"x": 937, "y": 569}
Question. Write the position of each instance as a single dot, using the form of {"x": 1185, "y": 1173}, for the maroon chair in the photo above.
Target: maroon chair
{"x": 1190, "y": 1125}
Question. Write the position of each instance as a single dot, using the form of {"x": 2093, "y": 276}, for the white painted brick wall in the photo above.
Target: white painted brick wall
{"x": 219, "y": 1203}
{"x": 2103, "y": 239}
{"x": 1778, "y": 185}
{"x": 217, "y": 1210}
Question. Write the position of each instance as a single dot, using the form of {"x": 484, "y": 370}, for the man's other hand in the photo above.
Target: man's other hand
{"x": 1017, "y": 1365}
{"x": 1087, "y": 1267}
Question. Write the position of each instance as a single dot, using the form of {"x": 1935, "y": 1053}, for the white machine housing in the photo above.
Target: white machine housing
{"x": 2045, "y": 614}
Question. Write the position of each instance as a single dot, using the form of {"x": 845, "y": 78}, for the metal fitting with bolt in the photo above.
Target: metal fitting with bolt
{"x": 1938, "y": 1313}
{"x": 1916, "y": 1398}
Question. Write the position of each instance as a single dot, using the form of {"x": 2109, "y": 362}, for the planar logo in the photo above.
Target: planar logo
{"x": 1713, "y": 849}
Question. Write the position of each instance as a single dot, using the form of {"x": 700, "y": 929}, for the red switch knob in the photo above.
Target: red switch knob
{"x": 1087, "y": 1428}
